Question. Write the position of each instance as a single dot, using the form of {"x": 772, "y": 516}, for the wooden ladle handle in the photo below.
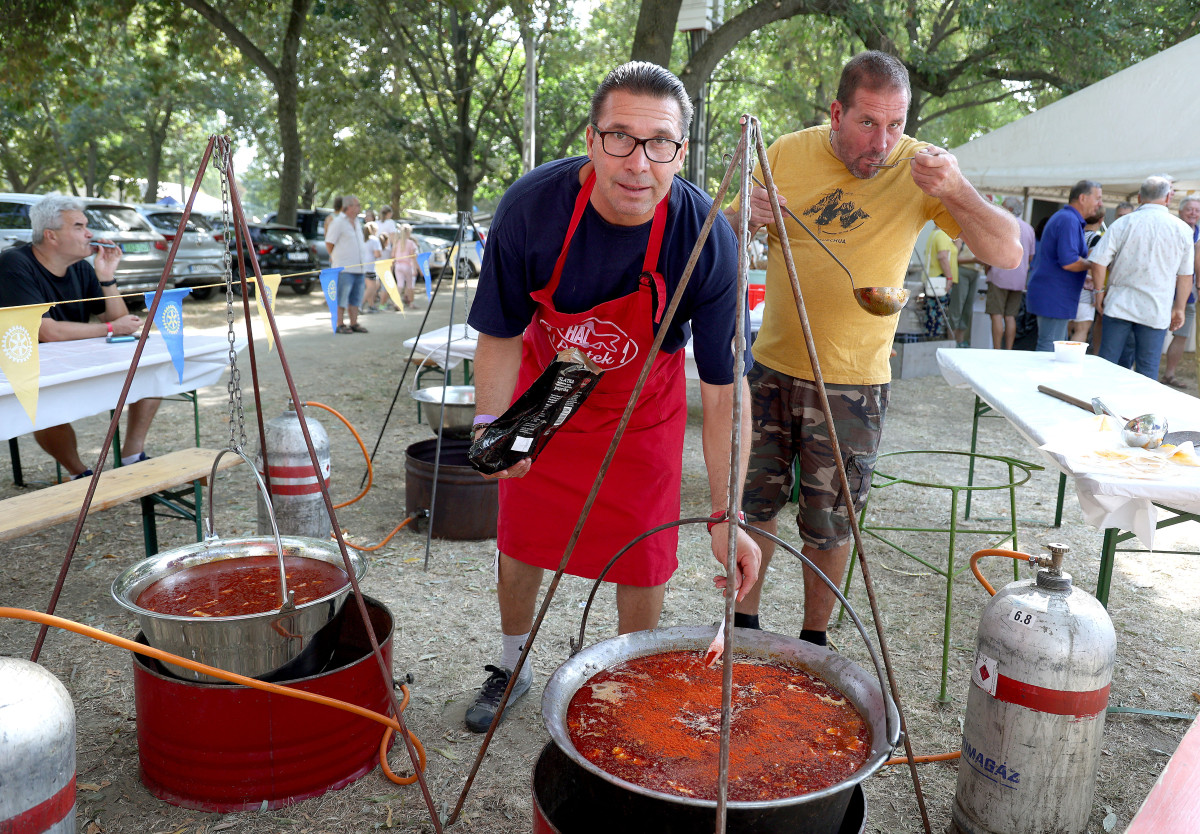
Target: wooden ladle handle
{"x": 1067, "y": 398}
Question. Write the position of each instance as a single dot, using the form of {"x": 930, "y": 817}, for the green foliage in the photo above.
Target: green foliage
{"x": 420, "y": 104}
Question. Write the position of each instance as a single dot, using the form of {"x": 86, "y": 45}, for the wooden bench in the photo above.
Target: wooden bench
{"x": 1173, "y": 805}
{"x": 172, "y": 481}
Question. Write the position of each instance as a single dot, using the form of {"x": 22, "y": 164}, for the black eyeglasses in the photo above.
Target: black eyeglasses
{"x": 618, "y": 144}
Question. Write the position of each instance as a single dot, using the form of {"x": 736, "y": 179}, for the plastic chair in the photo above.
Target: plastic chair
{"x": 1019, "y": 472}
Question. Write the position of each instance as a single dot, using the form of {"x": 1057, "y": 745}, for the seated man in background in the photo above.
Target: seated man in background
{"x": 51, "y": 269}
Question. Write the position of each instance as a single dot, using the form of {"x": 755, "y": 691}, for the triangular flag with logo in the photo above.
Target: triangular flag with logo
{"x": 169, "y": 321}
{"x": 383, "y": 271}
{"x": 267, "y": 287}
{"x": 423, "y": 263}
{"x": 329, "y": 285}
{"x": 19, "y": 353}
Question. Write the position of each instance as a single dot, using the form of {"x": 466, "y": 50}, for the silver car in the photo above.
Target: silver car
{"x": 143, "y": 250}
{"x": 200, "y": 259}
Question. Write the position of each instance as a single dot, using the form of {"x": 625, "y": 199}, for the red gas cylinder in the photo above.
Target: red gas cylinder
{"x": 220, "y": 747}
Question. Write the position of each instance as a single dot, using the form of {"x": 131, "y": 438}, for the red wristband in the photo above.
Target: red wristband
{"x": 720, "y": 517}
{"x": 109, "y": 323}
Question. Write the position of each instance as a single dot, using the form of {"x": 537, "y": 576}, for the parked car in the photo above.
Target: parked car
{"x": 14, "y": 218}
{"x": 311, "y": 223}
{"x": 448, "y": 233}
{"x": 284, "y": 250}
{"x": 200, "y": 259}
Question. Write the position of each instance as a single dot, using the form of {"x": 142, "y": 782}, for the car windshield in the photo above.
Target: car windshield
{"x": 115, "y": 219}
{"x": 169, "y": 222}
{"x": 282, "y": 237}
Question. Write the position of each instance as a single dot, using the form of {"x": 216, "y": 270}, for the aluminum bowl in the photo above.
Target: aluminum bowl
{"x": 816, "y": 811}
{"x": 460, "y": 408}
{"x": 251, "y": 644}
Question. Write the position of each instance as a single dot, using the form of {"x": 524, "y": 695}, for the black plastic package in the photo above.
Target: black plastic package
{"x": 525, "y": 429}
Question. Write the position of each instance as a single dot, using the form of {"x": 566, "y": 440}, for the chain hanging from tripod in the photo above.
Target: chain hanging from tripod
{"x": 237, "y": 418}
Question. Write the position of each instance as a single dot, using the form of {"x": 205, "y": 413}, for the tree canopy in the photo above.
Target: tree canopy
{"x": 422, "y": 105}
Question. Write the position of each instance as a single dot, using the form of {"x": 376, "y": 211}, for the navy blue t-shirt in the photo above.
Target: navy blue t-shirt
{"x": 1053, "y": 292}
{"x": 23, "y": 280}
{"x": 605, "y": 262}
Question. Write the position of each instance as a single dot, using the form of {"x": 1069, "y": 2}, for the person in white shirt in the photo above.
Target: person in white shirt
{"x": 348, "y": 249}
{"x": 1148, "y": 289}
{"x": 1189, "y": 212}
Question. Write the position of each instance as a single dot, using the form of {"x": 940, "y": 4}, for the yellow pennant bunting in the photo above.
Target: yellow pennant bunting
{"x": 19, "y": 353}
{"x": 268, "y": 287}
{"x": 383, "y": 270}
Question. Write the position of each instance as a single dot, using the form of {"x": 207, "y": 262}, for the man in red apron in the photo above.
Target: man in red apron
{"x": 586, "y": 252}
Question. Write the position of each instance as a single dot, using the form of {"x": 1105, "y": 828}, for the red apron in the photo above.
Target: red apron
{"x": 641, "y": 487}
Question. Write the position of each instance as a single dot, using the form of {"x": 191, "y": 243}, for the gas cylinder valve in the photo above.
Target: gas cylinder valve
{"x": 1053, "y": 562}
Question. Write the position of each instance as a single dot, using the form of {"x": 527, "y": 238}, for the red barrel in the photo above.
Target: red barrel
{"x": 757, "y": 293}
{"x": 220, "y": 747}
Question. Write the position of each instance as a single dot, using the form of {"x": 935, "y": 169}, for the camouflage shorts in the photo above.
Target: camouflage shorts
{"x": 789, "y": 424}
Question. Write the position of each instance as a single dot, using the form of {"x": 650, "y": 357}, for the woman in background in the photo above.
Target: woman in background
{"x": 404, "y": 267}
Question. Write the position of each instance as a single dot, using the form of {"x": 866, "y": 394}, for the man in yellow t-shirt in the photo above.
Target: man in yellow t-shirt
{"x": 869, "y": 216}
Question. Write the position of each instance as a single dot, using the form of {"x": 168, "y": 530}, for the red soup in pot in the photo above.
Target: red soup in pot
{"x": 655, "y": 721}
{"x": 234, "y": 587}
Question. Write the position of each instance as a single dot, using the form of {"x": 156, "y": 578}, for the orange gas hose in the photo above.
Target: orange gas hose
{"x": 994, "y": 551}
{"x": 361, "y": 445}
{"x": 975, "y": 557}
{"x": 367, "y": 488}
{"x": 390, "y": 723}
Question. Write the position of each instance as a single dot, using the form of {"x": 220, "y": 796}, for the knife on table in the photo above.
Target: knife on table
{"x": 1173, "y": 437}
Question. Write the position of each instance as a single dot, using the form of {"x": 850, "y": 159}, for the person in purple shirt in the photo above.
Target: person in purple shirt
{"x": 1007, "y": 286}
{"x": 1061, "y": 265}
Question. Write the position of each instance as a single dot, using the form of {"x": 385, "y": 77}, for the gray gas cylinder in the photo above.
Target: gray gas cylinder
{"x": 1035, "y": 711}
{"x": 295, "y": 491}
{"x": 37, "y": 750}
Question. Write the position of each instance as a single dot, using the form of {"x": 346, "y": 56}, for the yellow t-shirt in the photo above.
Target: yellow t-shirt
{"x": 871, "y": 225}
{"x": 939, "y": 241}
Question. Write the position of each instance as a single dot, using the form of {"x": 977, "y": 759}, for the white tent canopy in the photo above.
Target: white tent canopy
{"x": 1141, "y": 121}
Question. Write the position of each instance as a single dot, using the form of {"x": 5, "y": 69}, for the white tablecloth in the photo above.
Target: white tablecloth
{"x": 84, "y": 377}
{"x": 1008, "y": 382}
{"x": 432, "y": 345}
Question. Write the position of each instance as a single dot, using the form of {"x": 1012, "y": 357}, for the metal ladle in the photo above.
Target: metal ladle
{"x": 1144, "y": 432}
{"x": 878, "y": 301}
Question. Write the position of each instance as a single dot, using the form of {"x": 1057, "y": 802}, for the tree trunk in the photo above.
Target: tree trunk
{"x": 288, "y": 94}
{"x": 156, "y": 136}
{"x": 464, "y": 133}
{"x": 655, "y": 31}
{"x": 529, "y": 141}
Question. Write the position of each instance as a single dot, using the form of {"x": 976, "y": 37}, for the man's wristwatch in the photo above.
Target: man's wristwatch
{"x": 111, "y": 283}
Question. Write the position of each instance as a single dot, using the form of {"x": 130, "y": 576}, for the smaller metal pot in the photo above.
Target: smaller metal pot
{"x": 459, "y": 409}
{"x": 251, "y": 644}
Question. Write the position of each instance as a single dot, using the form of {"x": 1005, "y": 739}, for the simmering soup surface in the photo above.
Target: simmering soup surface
{"x": 655, "y": 721}
{"x": 232, "y": 587}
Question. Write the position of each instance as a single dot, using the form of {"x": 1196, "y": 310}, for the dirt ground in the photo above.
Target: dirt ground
{"x": 446, "y": 621}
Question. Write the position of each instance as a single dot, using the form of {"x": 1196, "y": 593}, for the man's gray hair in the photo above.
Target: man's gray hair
{"x": 1015, "y": 205}
{"x": 348, "y": 199}
{"x": 1082, "y": 187}
{"x": 644, "y": 79}
{"x": 872, "y": 70}
{"x": 1154, "y": 188}
{"x": 47, "y": 213}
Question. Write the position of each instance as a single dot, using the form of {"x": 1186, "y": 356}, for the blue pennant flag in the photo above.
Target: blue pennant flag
{"x": 479, "y": 250}
{"x": 329, "y": 283}
{"x": 169, "y": 321}
{"x": 423, "y": 263}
